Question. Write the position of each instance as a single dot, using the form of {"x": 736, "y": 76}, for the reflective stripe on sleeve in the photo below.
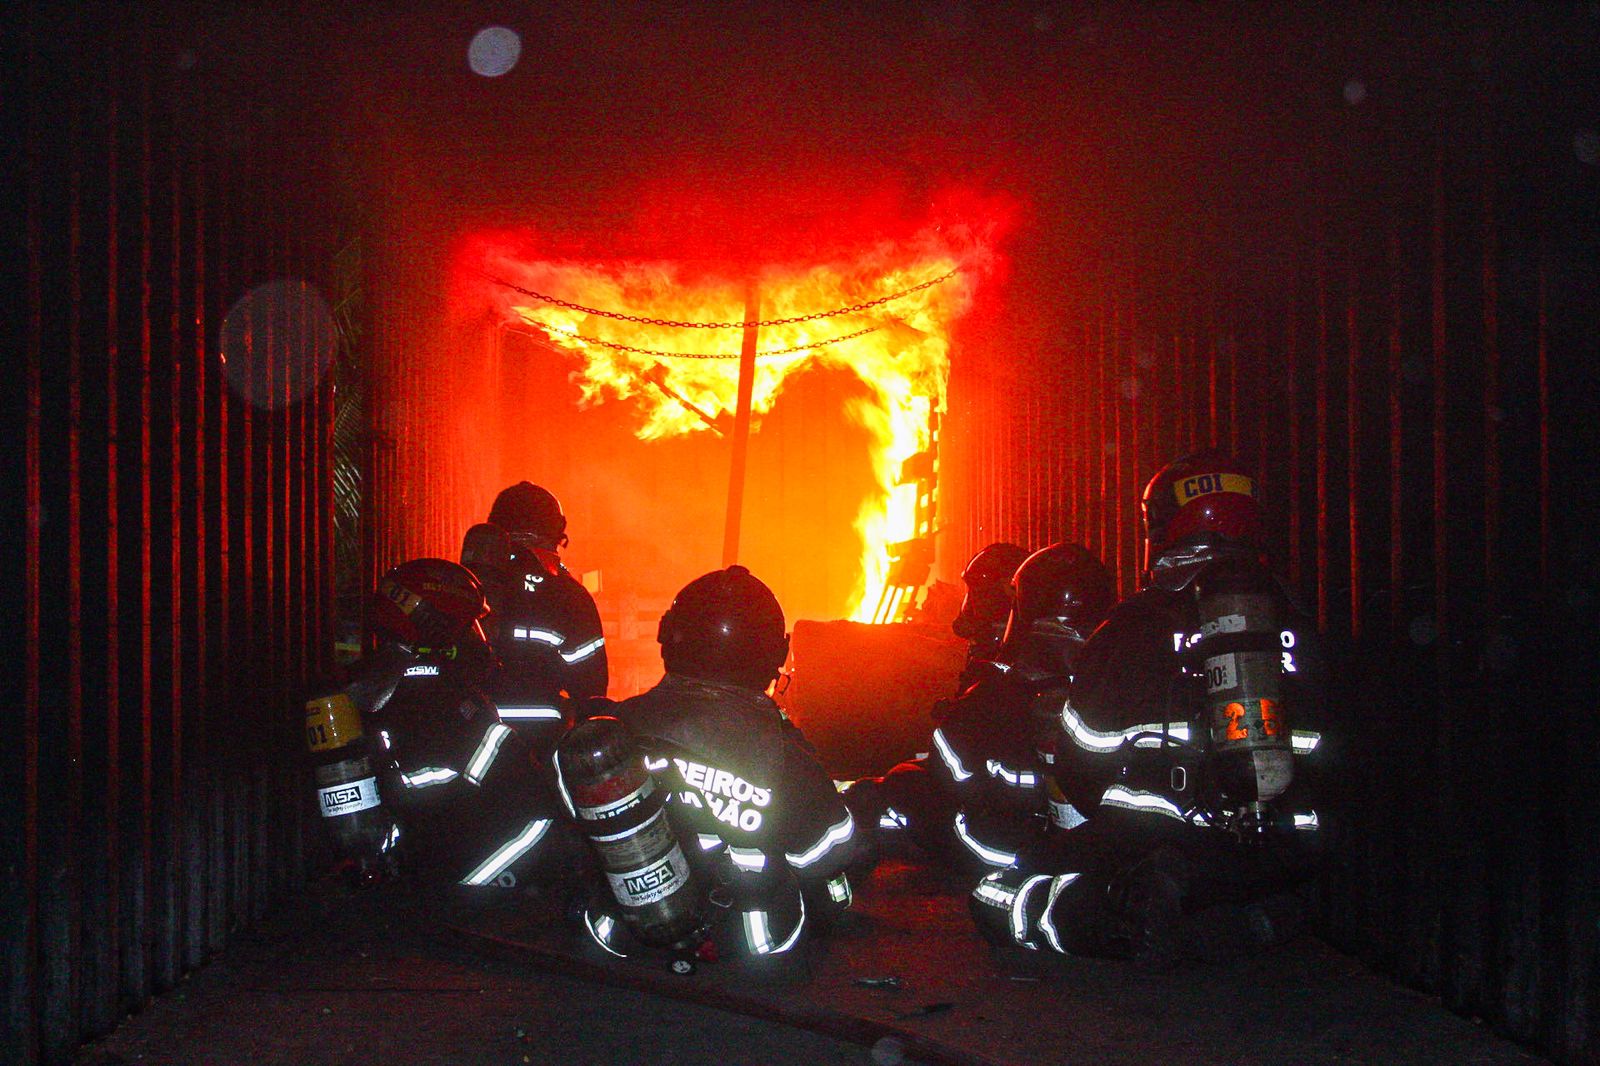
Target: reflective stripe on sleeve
{"x": 1093, "y": 740}
{"x": 752, "y": 859}
{"x": 583, "y": 651}
{"x": 836, "y": 835}
{"x": 543, "y": 636}
{"x": 1307, "y": 821}
{"x": 951, "y": 761}
{"x": 488, "y": 748}
{"x": 1014, "y": 778}
{"x": 530, "y": 714}
{"x": 992, "y": 856}
{"x": 508, "y": 853}
{"x": 428, "y": 777}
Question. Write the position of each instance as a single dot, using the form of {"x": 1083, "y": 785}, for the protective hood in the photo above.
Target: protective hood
{"x": 1179, "y": 565}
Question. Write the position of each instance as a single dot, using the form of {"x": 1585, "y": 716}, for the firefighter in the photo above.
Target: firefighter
{"x": 1189, "y": 737}
{"x": 752, "y": 805}
{"x": 984, "y": 788}
{"x": 543, "y": 624}
{"x": 473, "y": 810}
{"x": 986, "y": 606}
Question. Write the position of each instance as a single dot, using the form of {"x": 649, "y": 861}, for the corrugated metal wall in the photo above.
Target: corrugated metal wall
{"x": 172, "y": 528}
{"x": 1412, "y": 374}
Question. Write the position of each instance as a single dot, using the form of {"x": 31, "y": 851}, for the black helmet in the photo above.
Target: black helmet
{"x": 1058, "y": 592}
{"x": 432, "y": 602}
{"x": 1204, "y": 494}
{"x": 987, "y": 602}
{"x": 725, "y": 626}
{"x": 527, "y": 511}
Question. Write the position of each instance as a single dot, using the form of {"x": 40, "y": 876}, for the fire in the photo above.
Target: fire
{"x": 685, "y": 380}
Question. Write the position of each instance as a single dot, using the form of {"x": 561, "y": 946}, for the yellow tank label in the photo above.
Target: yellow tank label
{"x": 331, "y": 722}
{"x": 1192, "y": 488}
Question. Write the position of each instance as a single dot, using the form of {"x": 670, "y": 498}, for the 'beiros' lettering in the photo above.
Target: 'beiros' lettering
{"x": 732, "y": 799}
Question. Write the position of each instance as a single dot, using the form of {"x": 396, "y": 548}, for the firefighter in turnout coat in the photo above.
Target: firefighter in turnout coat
{"x": 762, "y": 820}
{"x": 1191, "y": 739}
{"x": 543, "y": 623}
{"x": 473, "y": 811}
{"x": 983, "y": 790}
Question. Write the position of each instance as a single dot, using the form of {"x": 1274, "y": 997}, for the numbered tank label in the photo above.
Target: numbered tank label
{"x": 348, "y": 798}
{"x": 1222, "y": 672}
{"x": 652, "y": 883}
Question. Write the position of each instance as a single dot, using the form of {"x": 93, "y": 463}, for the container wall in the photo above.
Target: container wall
{"x": 1413, "y": 384}
{"x": 171, "y": 526}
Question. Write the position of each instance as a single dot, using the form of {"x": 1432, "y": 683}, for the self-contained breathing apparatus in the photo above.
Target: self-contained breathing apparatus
{"x": 422, "y": 602}
{"x": 622, "y": 812}
{"x": 346, "y": 782}
{"x": 1226, "y": 754}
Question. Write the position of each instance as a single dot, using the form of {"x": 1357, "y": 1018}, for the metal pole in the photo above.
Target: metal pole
{"x": 741, "y": 424}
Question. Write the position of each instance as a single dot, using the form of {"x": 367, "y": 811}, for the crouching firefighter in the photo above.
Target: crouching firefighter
{"x": 544, "y": 625}
{"x": 1190, "y": 738}
{"x": 984, "y": 788}
{"x": 474, "y": 813}
{"x": 986, "y": 607}
{"x": 719, "y": 832}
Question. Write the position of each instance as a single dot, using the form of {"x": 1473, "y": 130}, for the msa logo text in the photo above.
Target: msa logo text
{"x": 338, "y": 796}
{"x": 640, "y": 883}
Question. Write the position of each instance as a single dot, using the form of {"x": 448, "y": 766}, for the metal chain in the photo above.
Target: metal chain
{"x": 645, "y": 320}
{"x": 704, "y": 355}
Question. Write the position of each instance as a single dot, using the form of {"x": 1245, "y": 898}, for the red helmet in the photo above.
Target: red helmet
{"x": 432, "y": 602}
{"x": 1206, "y": 492}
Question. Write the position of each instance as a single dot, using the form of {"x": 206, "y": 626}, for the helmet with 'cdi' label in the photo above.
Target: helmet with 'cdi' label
{"x": 1204, "y": 494}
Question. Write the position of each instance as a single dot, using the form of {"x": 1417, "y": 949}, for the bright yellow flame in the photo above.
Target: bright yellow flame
{"x": 903, "y": 360}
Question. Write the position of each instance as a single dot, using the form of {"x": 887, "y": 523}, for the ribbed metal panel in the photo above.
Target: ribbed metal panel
{"x": 174, "y": 548}
{"x": 1417, "y": 400}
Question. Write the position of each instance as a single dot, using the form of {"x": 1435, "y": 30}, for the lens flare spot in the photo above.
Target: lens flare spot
{"x": 494, "y": 51}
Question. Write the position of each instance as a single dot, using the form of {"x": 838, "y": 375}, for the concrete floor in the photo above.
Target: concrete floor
{"x": 387, "y": 976}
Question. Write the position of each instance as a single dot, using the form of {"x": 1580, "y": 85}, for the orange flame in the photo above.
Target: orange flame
{"x": 898, "y": 348}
